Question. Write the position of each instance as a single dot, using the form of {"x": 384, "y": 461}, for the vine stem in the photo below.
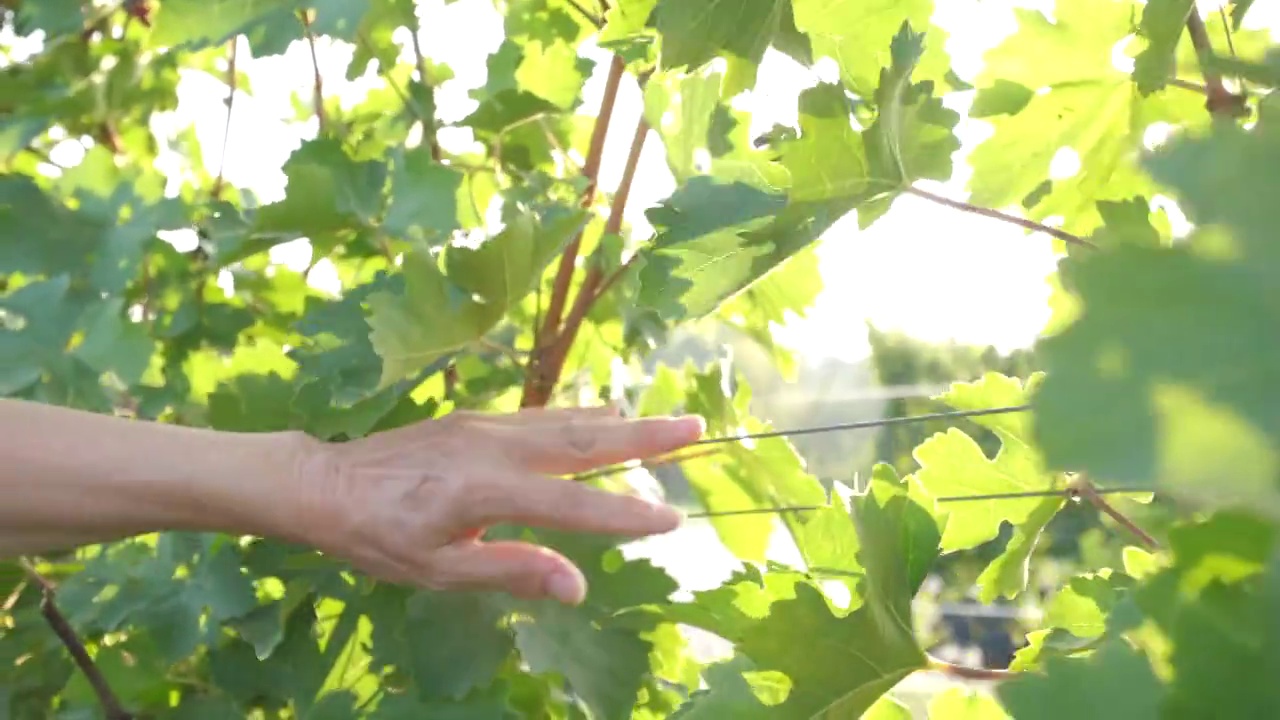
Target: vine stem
{"x": 587, "y": 294}
{"x": 428, "y": 123}
{"x": 968, "y": 673}
{"x": 111, "y": 706}
{"x": 1218, "y": 100}
{"x": 1087, "y": 490}
{"x": 226, "y": 128}
{"x": 1062, "y": 235}
{"x": 538, "y": 380}
{"x": 318, "y": 90}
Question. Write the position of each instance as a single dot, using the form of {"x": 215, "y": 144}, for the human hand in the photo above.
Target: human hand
{"x": 409, "y": 505}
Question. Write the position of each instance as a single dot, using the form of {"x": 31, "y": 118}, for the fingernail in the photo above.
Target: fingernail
{"x": 567, "y": 587}
{"x": 671, "y": 516}
{"x": 688, "y": 427}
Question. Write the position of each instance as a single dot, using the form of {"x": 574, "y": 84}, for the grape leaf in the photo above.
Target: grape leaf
{"x": 913, "y": 134}
{"x": 953, "y": 465}
{"x": 1115, "y": 682}
{"x": 449, "y": 643}
{"x": 429, "y": 319}
{"x": 1217, "y": 606}
{"x": 1192, "y": 415}
{"x": 327, "y": 191}
{"x": 54, "y": 17}
{"x": 1007, "y": 575}
{"x": 604, "y": 665}
{"x": 693, "y": 33}
{"x": 770, "y": 474}
{"x": 1162, "y": 25}
{"x": 700, "y": 256}
{"x": 828, "y": 160}
{"x": 680, "y": 107}
{"x": 887, "y": 708}
{"x": 1047, "y": 102}
{"x": 958, "y": 704}
{"x": 853, "y": 33}
{"x": 855, "y": 656}
{"x": 196, "y": 24}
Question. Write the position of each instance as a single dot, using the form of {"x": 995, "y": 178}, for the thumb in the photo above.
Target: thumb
{"x": 522, "y": 569}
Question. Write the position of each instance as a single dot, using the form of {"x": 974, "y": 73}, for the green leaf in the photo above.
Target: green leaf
{"x": 853, "y": 656}
{"x": 1007, "y": 575}
{"x": 1162, "y": 25}
{"x": 913, "y": 135}
{"x": 193, "y": 24}
{"x": 828, "y": 160}
{"x": 770, "y": 474}
{"x": 432, "y": 317}
{"x": 1217, "y": 607}
{"x": 55, "y": 18}
{"x": 1055, "y": 86}
{"x": 449, "y": 643}
{"x": 1192, "y": 415}
{"x": 701, "y": 255}
{"x": 603, "y": 665}
{"x": 680, "y": 107}
{"x": 327, "y": 191}
{"x": 953, "y": 465}
{"x": 1115, "y": 682}
{"x": 694, "y": 33}
{"x": 958, "y": 704}
{"x": 848, "y": 32}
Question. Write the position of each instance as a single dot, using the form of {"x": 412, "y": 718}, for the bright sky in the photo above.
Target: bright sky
{"x": 932, "y": 271}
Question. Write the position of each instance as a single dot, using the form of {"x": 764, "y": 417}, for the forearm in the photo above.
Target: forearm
{"x": 69, "y": 478}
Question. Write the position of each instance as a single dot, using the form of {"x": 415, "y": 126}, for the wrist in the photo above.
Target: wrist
{"x": 262, "y": 487}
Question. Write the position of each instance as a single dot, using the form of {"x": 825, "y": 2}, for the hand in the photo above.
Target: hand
{"x": 409, "y": 505}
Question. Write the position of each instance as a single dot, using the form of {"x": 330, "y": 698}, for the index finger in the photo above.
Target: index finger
{"x": 581, "y": 443}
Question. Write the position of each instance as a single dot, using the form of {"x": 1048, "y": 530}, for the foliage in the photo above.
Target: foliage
{"x": 500, "y": 275}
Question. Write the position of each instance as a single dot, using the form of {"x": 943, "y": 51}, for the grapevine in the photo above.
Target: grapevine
{"x": 139, "y": 276}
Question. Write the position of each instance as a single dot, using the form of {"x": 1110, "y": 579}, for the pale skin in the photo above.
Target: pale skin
{"x": 406, "y": 505}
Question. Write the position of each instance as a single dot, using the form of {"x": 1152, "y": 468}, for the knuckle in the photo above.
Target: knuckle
{"x": 580, "y": 441}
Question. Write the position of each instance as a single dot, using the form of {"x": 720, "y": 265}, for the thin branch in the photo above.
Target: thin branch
{"x": 586, "y": 14}
{"x": 1218, "y": 100}
{"x": 111, "y": 706}
{"x": 538, "y": 380}
{"x": 428, "y": 121}
{"x": 1226, "y": 29}
{"x": 1062, "y": 235}
{"x": 318, "y": 89}
{"x": 969, "y": 673}
{"x": 1088, "y": 491}
{"x": 226, "y": 128}
{"x": 587, "y": 294}
{"x": 1195, "y": 87}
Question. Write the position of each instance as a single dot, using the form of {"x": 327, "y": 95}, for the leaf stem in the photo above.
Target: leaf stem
{"x": 1062, "y": 235}
{"x": 538, "y": 381}
{"x": 111, "y": 706}
{"x": 968, "y": 673}
{"x": 226, "y": 128}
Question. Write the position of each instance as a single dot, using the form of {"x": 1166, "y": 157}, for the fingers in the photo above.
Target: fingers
{"x": 541, "y": 501}
{"x": 580, "y": 443}
{"x": 521, "y": 569}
